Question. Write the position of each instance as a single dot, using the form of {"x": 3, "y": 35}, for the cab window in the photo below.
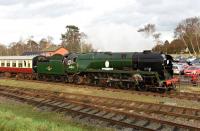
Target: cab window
{"x": 74, "y": 60}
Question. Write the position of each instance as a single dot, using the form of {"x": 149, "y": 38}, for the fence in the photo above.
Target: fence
{"x": 187, "y": 81}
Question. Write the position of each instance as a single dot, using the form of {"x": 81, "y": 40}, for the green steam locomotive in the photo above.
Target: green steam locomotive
{"x": 128, "y": 70}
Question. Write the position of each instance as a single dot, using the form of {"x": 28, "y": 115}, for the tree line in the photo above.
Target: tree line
{"x": 72, "y": 39}
{"x": 186, "y": 37}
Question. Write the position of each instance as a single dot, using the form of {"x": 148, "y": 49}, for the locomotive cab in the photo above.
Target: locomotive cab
{"x": 70, "y": 62}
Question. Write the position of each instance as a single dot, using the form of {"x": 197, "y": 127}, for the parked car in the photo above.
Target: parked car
{"x": 195, "y": 61}
{"x": 191, "y": 58}
{"x": 191, "y": 70}
{"x": 178, "y": 58}
{"x": 178, "y": 68}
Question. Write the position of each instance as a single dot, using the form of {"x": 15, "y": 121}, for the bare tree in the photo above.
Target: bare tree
{"x": 3, "y": 50}
{"x": 156, "y": 37}
{"x": 148, "y": 29}
{"x": 187, "y": 30}
{"x": 197, "y": 34}
{"x": 179, "y": 32}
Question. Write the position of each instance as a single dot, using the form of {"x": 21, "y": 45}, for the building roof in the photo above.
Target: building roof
{"x": 52, "y": 48}
{"x": 31, "y": 53}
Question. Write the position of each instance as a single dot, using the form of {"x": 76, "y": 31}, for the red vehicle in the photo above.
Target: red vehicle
{"x": 192, "y": 70}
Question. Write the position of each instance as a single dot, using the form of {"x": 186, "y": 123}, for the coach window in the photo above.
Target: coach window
{"x": 25, "y": 63}
{"x": 29, "y": 65}
{"x": 2, "y": 64}
{"x": 8, "y": 64}
{"x": 30, "y": 62}
{"x": 14, "y": 64}
{"x": 20, "y": 65}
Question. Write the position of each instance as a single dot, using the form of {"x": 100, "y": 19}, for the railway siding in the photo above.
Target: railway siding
{"x": 85, "y": 90}
{"x": 117, "y": 114}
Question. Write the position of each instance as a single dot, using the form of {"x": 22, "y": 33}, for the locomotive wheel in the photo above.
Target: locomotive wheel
{"x": 70, "y": 79}
{"x": 102, "y": 82}
{"x": 96, "y": 82}
{"x": 127, "y": 85}
{"x": 62, "y": 79}
{"x": 161, "y": 90}
{"x": 78, "y": 79}
{"x": 109, "y": 84}
{"x": 88, "y": 81}
{"x": 66, "y": 80}
{"x": 142, "y": 87}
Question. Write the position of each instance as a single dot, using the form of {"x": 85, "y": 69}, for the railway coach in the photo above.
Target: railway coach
{"x": 19, "y": 66}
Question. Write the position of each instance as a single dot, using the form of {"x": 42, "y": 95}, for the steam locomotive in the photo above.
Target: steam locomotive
{"x": 141, "y": 71}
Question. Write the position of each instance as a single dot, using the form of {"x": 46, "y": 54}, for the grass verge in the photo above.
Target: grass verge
{"x": 21, "y": 117}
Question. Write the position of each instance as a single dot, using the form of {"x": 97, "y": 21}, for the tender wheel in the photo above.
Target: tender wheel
{"x": 39, "y": 77}
{"x": 46, "y": 78}
{"x": 53, "y": 78}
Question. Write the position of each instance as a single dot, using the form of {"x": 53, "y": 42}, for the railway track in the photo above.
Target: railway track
{"x": 171, "y": 94}
{"x": 123, "y": 113}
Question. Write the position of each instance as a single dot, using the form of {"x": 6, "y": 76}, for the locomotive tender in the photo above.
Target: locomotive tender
{"x": 141, "y": 71}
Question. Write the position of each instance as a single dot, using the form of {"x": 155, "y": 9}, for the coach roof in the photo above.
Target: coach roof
{"x": 17, "y": 57}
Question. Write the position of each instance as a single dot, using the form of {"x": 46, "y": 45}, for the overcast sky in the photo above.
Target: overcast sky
{"x": 111, "y": 25}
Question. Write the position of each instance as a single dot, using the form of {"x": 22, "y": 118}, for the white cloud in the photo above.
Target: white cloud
{"x": 123, "y": 38}
{"x": 110, "y": 24}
